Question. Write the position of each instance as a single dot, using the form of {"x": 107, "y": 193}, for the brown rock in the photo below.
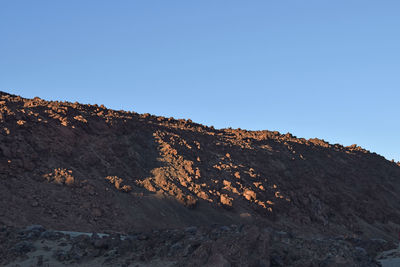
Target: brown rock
{"x": 249, "y": 195}
{"x": 225, "y": 200}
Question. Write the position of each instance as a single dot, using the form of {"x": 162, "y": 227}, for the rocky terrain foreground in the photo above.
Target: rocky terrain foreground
{"x": 86, "y": 185}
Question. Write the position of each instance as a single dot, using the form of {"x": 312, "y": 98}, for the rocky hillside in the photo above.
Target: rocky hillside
{"x": 69, "y": 166}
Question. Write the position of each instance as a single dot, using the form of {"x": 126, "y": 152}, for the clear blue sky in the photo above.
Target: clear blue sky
{"x": 327, "y": 69}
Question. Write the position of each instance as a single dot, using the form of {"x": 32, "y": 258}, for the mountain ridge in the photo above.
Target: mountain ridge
{"x": 238, "y": 173}
{"x": 173, "y": 192}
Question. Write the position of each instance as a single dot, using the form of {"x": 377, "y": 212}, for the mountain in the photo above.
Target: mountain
{"x": 74, "y": 167}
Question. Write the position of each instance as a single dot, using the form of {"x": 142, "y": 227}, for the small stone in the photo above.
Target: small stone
{"x": 96, "y": 212}
{"x": 191, "y": 230}
{"x": 249, "y": 194}
{"x": 49, "y": 235}
{"x": 143, "y": 237}
{"x": 60, "y": 255}
{"x": 35, "y": 227}
{"x": 361, "y": 251}
{"x": 218, "y": 259}
{"x": 101, "y": 243}
{"x": 176, "y": 246}
{"x": 39, "y": 260}
{"x": 225, "y": 228}
{"x": 23, "y": 247}
{"x": 225, "y": 200}
{"x": 190, "y": 248}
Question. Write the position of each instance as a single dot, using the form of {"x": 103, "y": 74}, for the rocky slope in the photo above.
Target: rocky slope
{"x": 75, "y": 167}
{"x": 192, "y": 246}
